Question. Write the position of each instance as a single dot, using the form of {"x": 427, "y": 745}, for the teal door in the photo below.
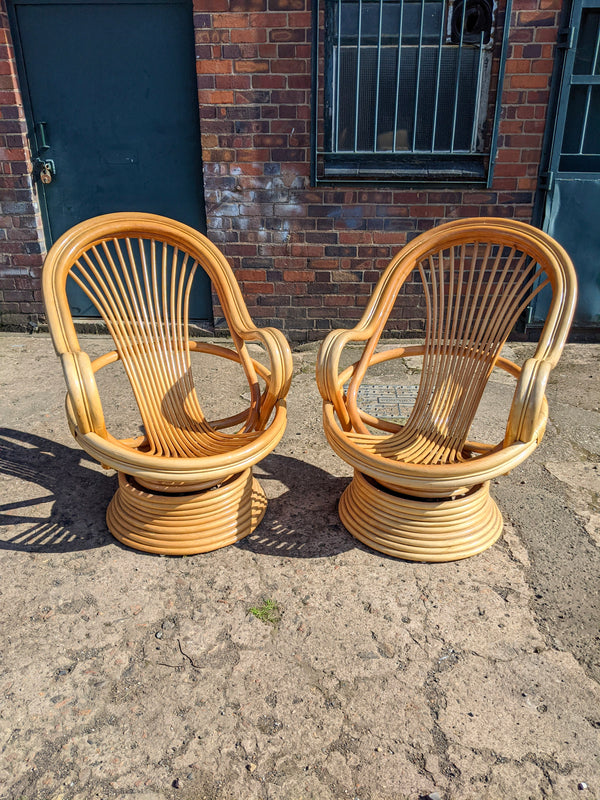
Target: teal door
{"x": 111, "y": 98}
{"x": 573, "y": 197}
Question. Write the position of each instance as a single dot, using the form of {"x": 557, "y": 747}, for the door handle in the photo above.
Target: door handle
{"x": 41, "y": 138}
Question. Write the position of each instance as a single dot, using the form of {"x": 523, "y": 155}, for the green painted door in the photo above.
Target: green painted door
{"x": 111, "y": 97}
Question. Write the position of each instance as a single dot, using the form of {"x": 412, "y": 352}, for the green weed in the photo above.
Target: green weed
{"x": 267, "y": 612}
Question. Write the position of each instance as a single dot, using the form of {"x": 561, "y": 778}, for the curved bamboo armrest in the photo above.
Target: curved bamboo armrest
{"x": 83, "y": 400}
{"x": 277, "y": 379}
{"x": 329, "y": 379}
{"x": 529, "y": 410}
{"x": 281, "y": 367}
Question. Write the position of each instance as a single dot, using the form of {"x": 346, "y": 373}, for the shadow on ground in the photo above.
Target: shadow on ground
{"x": 59, "y": 475}
{"x": 302, "y": 522}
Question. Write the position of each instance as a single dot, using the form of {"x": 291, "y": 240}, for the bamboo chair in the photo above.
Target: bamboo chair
{"x": 421, "y": 490}
{"x": 186, "y": 484}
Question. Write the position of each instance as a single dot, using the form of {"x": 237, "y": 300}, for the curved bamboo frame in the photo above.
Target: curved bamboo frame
{"x": 422, "y": 483}
{"x": 186, "y": 485}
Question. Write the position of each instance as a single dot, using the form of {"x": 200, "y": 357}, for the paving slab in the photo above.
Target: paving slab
{"x": 127, "y": 675}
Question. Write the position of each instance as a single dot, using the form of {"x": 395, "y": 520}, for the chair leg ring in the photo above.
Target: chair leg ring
{"x": 416, "y": 529}
{"x": 185, "y": 524}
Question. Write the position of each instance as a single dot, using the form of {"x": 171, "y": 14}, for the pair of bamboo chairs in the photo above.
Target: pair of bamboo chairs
{"x": 420, "y": 490}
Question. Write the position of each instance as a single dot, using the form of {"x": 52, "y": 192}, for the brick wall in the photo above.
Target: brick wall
{"x": 308, "y": 258}
{"x": 21, "y": 237}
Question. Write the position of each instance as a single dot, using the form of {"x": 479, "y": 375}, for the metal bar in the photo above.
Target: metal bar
{"x": 458, "y": 63}
{"x": 314, "y": 95}
{"x": 498, "y": 109}
{"x": 585, "y": 80}
{"x": 477, "y": 97}
{"x": 378, "y": 78}
{"x": 597, "y": 51}
{"x": 418, "y": 80}
{"x": 356, "y": 104}
{"x": 337, "y": 79}
{"x": 437, "y": 76}
{"x": 586, "y": 115}
{"x": 398, "y": 74}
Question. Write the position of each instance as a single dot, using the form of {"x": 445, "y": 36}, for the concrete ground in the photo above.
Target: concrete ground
{"x": 125, "y": 675}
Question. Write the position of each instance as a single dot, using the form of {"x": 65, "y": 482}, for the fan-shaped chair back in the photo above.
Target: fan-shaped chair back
{"x": 472, "y": 281}
{"x": 139, "y": 274}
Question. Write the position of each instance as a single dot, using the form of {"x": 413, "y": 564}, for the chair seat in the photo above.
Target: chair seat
{"x": 186, "y": 443}
{"x": 411, "y": 446}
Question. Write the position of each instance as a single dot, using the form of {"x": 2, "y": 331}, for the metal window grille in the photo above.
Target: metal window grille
{"x": 580, "y": 150}
{"x": 406, "y": 86}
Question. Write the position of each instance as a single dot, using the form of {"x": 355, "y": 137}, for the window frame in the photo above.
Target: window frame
{"x": 393, "y": 166}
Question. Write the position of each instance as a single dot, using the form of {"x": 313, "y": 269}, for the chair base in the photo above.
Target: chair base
{"x": 186, "y": 523}
{"x": 420, "y": 530}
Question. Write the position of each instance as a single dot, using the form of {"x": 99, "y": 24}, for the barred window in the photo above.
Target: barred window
{"x": 406, "y": 89}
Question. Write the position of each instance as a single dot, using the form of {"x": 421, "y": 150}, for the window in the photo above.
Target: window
{"x": 406, "y": 87}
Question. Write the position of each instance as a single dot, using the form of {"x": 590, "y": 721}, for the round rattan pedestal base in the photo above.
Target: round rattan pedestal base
{"x": 420, "y": 530}
{"x": 184, "y": 524}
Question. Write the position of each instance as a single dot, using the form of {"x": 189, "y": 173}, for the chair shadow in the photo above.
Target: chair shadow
{"x": 79, "y": 496}
{"x": 303, "y": 521}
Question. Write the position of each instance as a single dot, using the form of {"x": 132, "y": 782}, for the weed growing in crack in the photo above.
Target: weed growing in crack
{"x": 267, "y": 612}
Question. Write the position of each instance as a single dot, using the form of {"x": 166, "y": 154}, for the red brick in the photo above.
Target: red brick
{"x": 231, "y": 20}
{"x": 207, "y": 67}
{"x": 251, "y": 66}
{"x": 248, "y": 35}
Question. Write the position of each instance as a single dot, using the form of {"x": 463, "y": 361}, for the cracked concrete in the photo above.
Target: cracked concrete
{"x": 124, "y": 675}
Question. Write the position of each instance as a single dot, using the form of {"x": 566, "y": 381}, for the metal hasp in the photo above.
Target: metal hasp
{"x": 43, "y": 171}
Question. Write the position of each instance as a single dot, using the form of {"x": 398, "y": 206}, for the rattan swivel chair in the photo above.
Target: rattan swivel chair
{"x": 421, "y": 489}
{"x": 186, "y": 484}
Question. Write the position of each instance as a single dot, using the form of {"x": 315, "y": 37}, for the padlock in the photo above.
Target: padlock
{"x": 45, "y": 174}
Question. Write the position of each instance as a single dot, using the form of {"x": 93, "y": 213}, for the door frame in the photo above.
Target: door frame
{"x": 36, "y": 148}
{"x": 21, "y": 72}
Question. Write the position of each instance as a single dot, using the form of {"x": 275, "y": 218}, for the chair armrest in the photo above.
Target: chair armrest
{"x": 83, "y": 400}
{"x": 328, "y": 370}
{"x": 529, "y": 409}
{"x": 280, "y": 364}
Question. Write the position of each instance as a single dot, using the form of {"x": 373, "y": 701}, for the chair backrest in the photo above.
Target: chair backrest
{"x": 477, "y": 277}
{"x": 138, "y": 271}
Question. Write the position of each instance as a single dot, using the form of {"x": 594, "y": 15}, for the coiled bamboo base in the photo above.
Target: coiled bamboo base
{"x": 420, "y": 530}
{"x": 184, "y": 524}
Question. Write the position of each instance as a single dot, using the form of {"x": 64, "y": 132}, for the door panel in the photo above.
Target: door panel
{"x": 573, "y": 221}
{"x": 114, "y": 85}
{"x": 573, "y": 199}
